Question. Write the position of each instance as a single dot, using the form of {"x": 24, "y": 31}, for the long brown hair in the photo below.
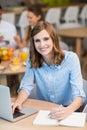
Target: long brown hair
{"x": 36, "y": 58}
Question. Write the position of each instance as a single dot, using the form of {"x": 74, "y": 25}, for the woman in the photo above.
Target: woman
{"x": 57, "y": 73}
{"x": 34, "y": 16}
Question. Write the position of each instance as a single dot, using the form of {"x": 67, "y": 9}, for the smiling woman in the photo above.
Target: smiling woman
{"x": 54, "y": 71}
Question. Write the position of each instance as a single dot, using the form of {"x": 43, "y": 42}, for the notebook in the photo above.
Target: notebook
{"x": 76, "y": 119}
{"x": 6, "y": 109}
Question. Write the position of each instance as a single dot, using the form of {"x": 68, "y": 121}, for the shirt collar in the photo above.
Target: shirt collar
{"x": 55, "y": 66}
{"x": 51, "y": 66}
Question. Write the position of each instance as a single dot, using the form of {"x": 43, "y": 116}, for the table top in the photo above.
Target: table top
{"x": 8, "y": 71}
{"x": 27, "y": 123}
{"x": 80, "y": 32}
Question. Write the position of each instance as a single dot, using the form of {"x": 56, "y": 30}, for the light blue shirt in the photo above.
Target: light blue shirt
{"x": 58, "y": 84}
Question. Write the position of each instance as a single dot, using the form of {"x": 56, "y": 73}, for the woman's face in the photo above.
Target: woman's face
{"x": 32, "y": 18}
{"x": 43, "y": 43}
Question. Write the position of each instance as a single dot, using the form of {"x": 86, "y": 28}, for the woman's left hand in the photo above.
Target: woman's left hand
{"x": 60, "y": 112}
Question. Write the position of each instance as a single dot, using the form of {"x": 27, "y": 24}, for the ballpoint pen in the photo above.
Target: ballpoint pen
{"x": 58, "y": 108}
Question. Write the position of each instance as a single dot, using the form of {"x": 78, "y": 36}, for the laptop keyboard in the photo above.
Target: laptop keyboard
{"x": 17, "y": 114}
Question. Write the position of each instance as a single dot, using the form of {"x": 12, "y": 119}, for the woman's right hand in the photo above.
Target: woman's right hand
{"x": 16, "y": 105}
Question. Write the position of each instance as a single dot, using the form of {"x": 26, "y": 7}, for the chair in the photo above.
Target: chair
{"x": 23, "y": 23}
{"x": 71, "y": 14}
{"x": 84, "y": 66}
{"x": 53, "y": 16}
{"x": 83, "y": 18}
{"x": 9, "y": 17}
{"x": 69, "y": 25}
{"x": 85, "y": 90}
{"x": 63, "y": 45}
{"x": 83, "y": 15}
{"x": 68, "y": 40}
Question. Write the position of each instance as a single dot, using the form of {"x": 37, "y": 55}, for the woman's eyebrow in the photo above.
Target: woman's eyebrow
{"x": 46, "y": 37}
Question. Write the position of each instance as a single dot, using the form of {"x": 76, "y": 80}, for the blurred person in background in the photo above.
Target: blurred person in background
{"x": 7, "y": 33}
{"x": 34, "y": 15}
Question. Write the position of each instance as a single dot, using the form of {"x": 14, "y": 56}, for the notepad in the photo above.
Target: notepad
{"x": 76, "y": 119}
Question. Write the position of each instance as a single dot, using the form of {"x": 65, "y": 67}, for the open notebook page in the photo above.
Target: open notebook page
{"x": 76, "y": 119}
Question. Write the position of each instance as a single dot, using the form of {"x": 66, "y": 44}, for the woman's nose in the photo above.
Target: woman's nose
{"x": 41, "y": 43}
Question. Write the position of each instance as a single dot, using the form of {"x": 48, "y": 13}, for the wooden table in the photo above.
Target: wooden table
{"x": 11, "y": 78}
{"x": 27, "y": 123}
{"x": 78, "y": 33}
{"x": 8, "y": 71}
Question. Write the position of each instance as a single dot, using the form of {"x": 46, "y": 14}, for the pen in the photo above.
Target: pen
{"x": 59, "y": 106}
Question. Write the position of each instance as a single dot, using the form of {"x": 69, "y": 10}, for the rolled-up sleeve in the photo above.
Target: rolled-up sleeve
{"x": 27, "y": 83}
{"x": 76, "y": 79}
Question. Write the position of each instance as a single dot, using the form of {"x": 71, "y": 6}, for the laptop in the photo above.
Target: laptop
{"x": 6, "y": 108}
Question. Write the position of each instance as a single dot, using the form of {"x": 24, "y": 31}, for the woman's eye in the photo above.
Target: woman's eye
{"x": 37, "y": 40}
{"x": 46, "y": 38}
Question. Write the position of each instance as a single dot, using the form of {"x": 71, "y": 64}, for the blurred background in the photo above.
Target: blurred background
{"x": 15, "y": 12}
{"x": 7, "y": 3}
